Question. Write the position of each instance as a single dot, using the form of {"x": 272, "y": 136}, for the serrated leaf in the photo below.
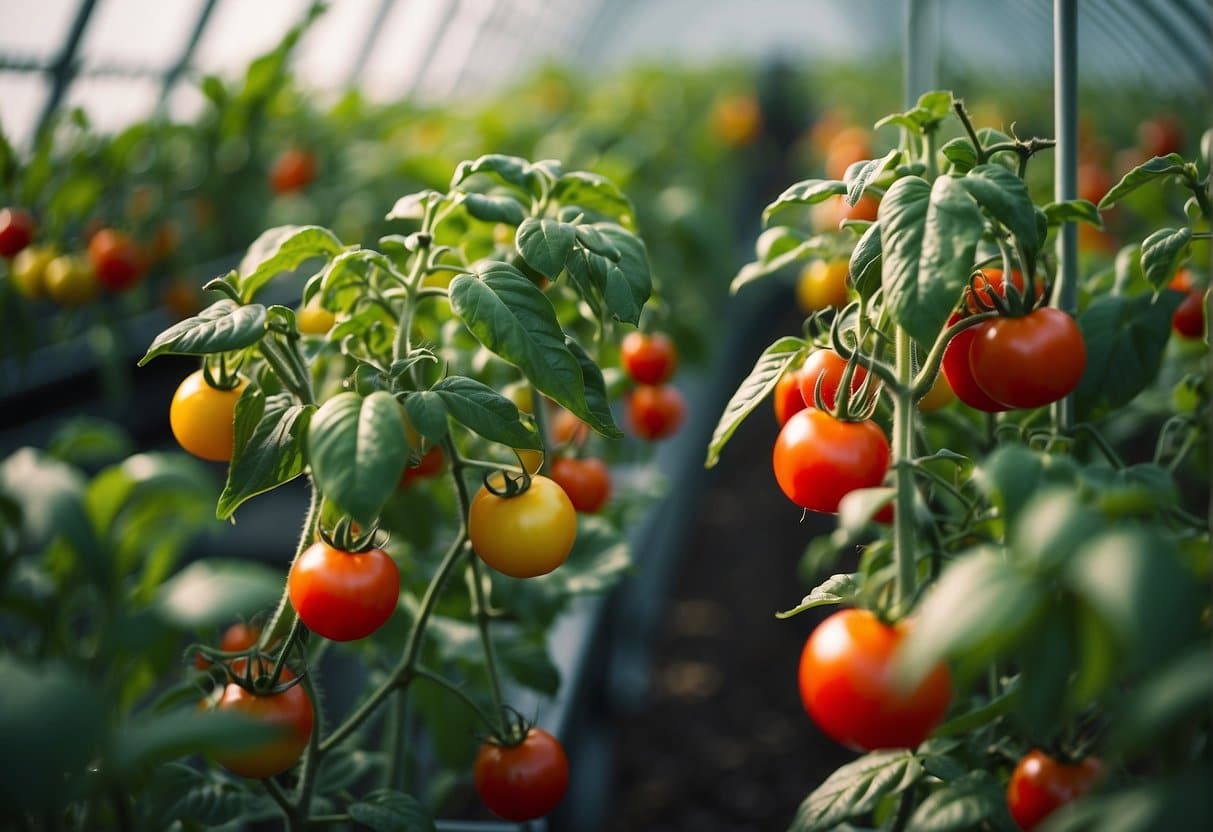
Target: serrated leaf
{"x": 861, "y": 173}
{"x": 856, "y": 789}
{"x": 483, "y": 410}
{"x": 283, "y": 249}
{"x": 1159, "y": 166}
{"x": 223, "y": 326}
{"x": 761, "y": 380}
{"x": 1125, "y": 339}
{"x": 357, "y": 448}
{"x": 181, "y": 793}
{"x": 490, "y": 208}
{"x": 593, "y": 192}
{"x": 1073, "y": 210}
{"x": 384, "y": 810}
{"x": 974, "y": 801}
{"x": 269, "y": 446}
{"x": 866, "y": 262}
{"x": 1162, "y": 252}
{"x": 808, "y": 192}
{"x": 545, "y": 244}
{"x": 836, "y": 589}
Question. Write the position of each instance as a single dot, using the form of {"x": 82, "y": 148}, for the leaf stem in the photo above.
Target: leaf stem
{"x": 903, "y": 450}
{"x": 486, "y": 642}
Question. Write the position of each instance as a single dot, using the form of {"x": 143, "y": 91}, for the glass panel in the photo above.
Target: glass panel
{"x": 404, "y": 46}
{"x": 149, "y": 33}
{"x": 22, "y": 96}
{"x": 113, "y": 103}
{"x": 240, "y": 31}
{"x": 328, "y": 52}
{"x": 40, "y": 35}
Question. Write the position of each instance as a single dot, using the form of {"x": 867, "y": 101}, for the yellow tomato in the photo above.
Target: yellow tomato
{"x": 314, "y": 319}
{"x": 29, "y": 270}
{"x": 526, "y": 535}
{"x": 520, "y": 394}
{"x": 531, "y": 460}
{"x": 940, "y": 395}
{"x": 736, "y": 119}
{"x": 70, "y": 281}
{"x": 823, "y": 284}
{"x": 202, "y": 417}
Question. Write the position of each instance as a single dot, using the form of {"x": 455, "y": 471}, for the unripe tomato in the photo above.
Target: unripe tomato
{"x": 656, "y": 411}
{"x": 1029, "y": 361}
{"x": 587, "y": 482}
{"x": 939, "y": 396}
{"x": 1188, "y": 321}
{"x": 17, "y": 230}
{"x": 521, "y": 394}
{"x": 1040, "y": 785}
{"x": 818, "y": 459}
{"x": 116, "y": 259}
{"x": 788, "y": 400}
{"x": 69, "y": 280}
{"x": 960, "y": 376}
{"x": 526, "y": 535}
{"x": 847, "y": 685}
{"x": 293, "y": 171}
{"x": 29, "y": 270}
{"x": 648, "y": 359}
{"x": 314, "y": 319}
{"x": 202, "y": 417}
{"x": 343, "y": 596}
{"x": 525, "y": 781}
{"x": 290, "y": 712}
{"x": 828, "y": 366}
{"x": 823, "y": 284}
{"x": 736, "y": 119}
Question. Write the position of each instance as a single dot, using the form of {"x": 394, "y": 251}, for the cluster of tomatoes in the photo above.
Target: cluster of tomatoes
{"x": 655, "y": 409}
{"x": 113, "y": 262}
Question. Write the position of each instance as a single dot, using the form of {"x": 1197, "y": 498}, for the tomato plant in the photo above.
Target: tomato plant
{"x": 1040, "y": 785}
{"x": 343, "y": 596}
{"x": 522, "y": 781}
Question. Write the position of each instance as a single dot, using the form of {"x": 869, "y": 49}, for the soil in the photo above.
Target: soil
{"x": 723, "y": 742}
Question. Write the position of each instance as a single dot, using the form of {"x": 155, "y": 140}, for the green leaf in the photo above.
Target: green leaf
{"x": 507, "y": 170}
{"x": 223, "y": 326}
{"x": 150, "y": 739}
{"x": 1046, "y": 660}
{"x": 592, "y": 239}
{"x": 413, "y": 206}
{"x": 528, "y": 661}
{"x": 384, "y": 810}
{"x": 485, "y": 411}
{"x": 283, "y": 249}
{"x": 836, "y": 589}
{"x": 803, "y": 193}
{"x": 960, "y": 152}
{"x": 774, "y": 361}
{"x": 1171, "y": 694}
{"x": 980, "y": 606}
{"x": 974, "y": 801}
{"x": 269, "y": 448}
{"x": 214, "y": 591}
{"x": 1005, "y": 196}
{"x": 180, "y": 793}
{"x": 1053, "y": 522}
{"x": 1162, "y": 252}
{"x": 592, "y": 192}
{"x": 861, "y": 173}
{"x": 1073, "y": 210}
{"x": 52, "y": 723}
{"x": 751, "y": 272}
{"x": 353, "y": 268}
{"x": 512, "y": 318}
{"x": 1178, "y": 801}
{"x": 1125, "y": 338}
{"x": 857, "y": 508}
{"x": 1011, "y": 475}
{"x": 545, "y": 244}
{"x": 427, "y": 414}
{"x": 776, "y": 241}
{"x": 931, "y": 108}
{"x": 596, "y": 396}
{"x": 358, "y": 448}
{"x": 626, "y": 282}
{"x": 856, "y": 789}
{"x": 86, "y": 440}
{"x": 928, "y": 237}
{"x": 1158, "y": 167}
{"x": 866, "y": 262}
{"x": 506, "y": 209}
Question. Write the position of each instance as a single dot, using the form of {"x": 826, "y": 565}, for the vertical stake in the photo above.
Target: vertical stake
{"x": 1065, "y": 186}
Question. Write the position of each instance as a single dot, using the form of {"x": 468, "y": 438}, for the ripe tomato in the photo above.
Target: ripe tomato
{"x": 1028, "y": 361}
{"x": 939, "y": 396}
{"x": 788, "y": 400}
{"x": 314, "y": 319}
{"x": 567, "y": 429}
{"x": 289, "y": 711}
{"x": 343, "y": 596}
{"x": 587, "y": 482}
{"x": 656, "y": 411}
{"x": 960, "y": 377}
{"x": 1161, "y": 135}
{"x": 1093, "y": 181}
{"x": 29, "y": 270}
{"x": 524, "y": 781}
{"x": 865, "y": 209}
{"x": 849, "y": 145}
{"x": 429, "y": 465}
{"x": 116, "y": 258}
{"x": 294, "y": 170}
{"x": 202, "y": 416}
{"x": 1040, "y": 785}
{"x": 17, "y": 230}
{"x": 818, "y": 459}
{"x": 239, "y": 636}
{"x": 69, "y": 280}
{"x": 648, "y": 359}
{"x": 846, "y": 685}
{"x": 991, "y": 280}
{"x": 823, "y": 284}
{"x": 183, "y": 298}
{"x": 828, "y": 366}
{"x": 736, "y": 119}
{"x": 1188, "y": 321}
{"x": 526, "y": 535}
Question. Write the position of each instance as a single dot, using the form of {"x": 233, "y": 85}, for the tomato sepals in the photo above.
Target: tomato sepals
{"x": 507, "y": 484}
{"x": 1006, "y": 297}
{"x": 347, "y": 536}
{"x": 220, "y": 377}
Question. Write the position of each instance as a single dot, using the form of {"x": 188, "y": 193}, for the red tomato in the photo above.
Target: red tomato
{"x": 567, "y": 429}
{"x": 1188, "y": 321}
{"x": 1182, "y": 282}
{"x": 290, "y": 711}
{"x": 17, "y": 229}
{"x": 828, "y": 366}
{"x": 586, "y": 481}
{"x": 1161, "y": 135}
{"x": 788, "y": 400}
{"x": 849, "y": 145}
{"x": 846, "y": 685}
{"x": 1029, "y": 361}
{"x": 818, "y": 459}
{"x": 648, "y": 359}
{"x": 117, "y": 260}
{"x": 294, "y": 170}
{"x": 991, "y": 280}
{"x": 1040, "y": 785}
{"x": 239, "y": 636}
{"x": 429, "y": 465}
{"x": 525, "y": 781}
{"x": 960, "y": 377}
{"x": 343, "y": 596}
{"x": 1093, "y": 181}
{"x": 864, "y": 209}
{"x": 656, "y": 411}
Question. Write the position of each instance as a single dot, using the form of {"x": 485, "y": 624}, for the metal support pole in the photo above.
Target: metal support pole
{"x": 921, "y": 49}
{"x": 64, "y": 67}
{"x": 1065, "y": 186}
{"x": 373, "y": 33}
{"x": 187, "y": 54}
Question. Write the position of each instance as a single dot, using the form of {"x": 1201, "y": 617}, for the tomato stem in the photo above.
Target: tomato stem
{"x": 903, "y": 450}
{"x": 539, "y": 412}
{"x": 486, "y": 642}
{"x": 284, "y": 616}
